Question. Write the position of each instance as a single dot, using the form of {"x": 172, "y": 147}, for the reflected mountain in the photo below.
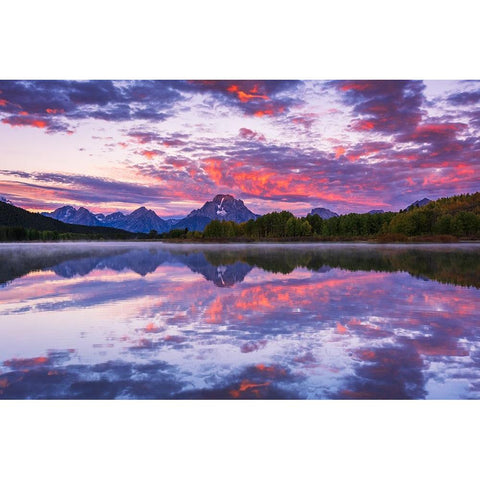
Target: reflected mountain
{"x": 19, "y": 260}
{"x": 222, "y": 275}
{"x": 227, "y": 265}
{"x": 139, "y": 261}
{"x": 69, "y": 262}
{"x": 144, "y": 262}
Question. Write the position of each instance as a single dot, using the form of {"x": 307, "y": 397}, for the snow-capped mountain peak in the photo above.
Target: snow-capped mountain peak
{"x": 220, "y": 210}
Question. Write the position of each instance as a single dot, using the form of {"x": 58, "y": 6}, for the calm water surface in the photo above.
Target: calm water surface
{"x": 120, "y": 320}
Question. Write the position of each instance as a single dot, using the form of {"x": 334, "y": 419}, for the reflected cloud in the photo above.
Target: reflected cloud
{"x": 50, "y": 379}
{"x": 253, "y": 382}
{"x": 253, "y": 346}
{"x": 386, "y": 373}
{"x": 239, "y": 322}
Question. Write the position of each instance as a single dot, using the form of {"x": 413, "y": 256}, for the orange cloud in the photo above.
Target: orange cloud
{"x": 358, "y": 86}
{"x": 364, "y": 125}
{"x": 25, "y": 121}
{"x": 341, "y": 329}
{"x": 261, "y": 113}
{"x": 247, "y": 96}
{"x": 263, "y": 368}
{"x": 149, "y": 153}
{"x": 255, "y": 183}
{"x": 247, "y": 385}
{"x": 25, "y": 362}
{"x": 150, "y": 327}
{"x": 339, "y": 151}
{"x": 214, "y": 314}
{"x": 266, "y": 298}
{"x": 441, "y": 128}
{"x": 463, "y": 169}
{"x": 213, "y": 168}
{"x": 270, "y": 372}
{"x": 269, "y": 111}
{"x": 366, "y": 355}
{"x": 271, "y": 183}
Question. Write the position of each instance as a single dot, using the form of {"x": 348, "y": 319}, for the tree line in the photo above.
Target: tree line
{"x": 459, "y": 267}
{"x": 22, "y": 234}
{"x": 457, "y": 216}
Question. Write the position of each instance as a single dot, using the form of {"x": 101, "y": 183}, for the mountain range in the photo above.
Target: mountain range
{"x": 143, "y": 220}
{"x": 12, "y": 216}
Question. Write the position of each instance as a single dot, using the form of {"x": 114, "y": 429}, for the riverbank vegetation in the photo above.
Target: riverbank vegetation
{"x": 444, "y": 220}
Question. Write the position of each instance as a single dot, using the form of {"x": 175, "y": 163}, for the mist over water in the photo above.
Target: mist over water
{"x": 307, "y": 321}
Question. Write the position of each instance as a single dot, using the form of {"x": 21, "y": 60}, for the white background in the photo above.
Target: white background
{"x": 239, "y": 40}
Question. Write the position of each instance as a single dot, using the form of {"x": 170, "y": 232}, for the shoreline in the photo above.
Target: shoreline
{"x": 242, "y": 242}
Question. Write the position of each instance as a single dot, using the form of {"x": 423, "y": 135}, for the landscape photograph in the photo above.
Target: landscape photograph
{"x": 239, "y": 239}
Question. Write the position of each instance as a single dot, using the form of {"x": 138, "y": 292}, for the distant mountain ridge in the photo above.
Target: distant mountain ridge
{"x": 222, "y": 207}
{"x": 69, "y": 214}
{"x": 141, "y": 220}
{"x": 11, "y": 216}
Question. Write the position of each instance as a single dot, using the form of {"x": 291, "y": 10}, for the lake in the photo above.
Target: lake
{"x": 256, "y": 321}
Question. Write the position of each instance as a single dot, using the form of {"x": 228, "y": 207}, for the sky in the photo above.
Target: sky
{"x": 346, "y": 145}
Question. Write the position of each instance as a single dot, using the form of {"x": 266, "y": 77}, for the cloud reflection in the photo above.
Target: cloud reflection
{"x": 154, "y": 321}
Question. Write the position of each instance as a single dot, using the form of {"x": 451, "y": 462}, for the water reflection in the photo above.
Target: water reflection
{"x": 177, "y": 321}
{"x": 82, "y": 260}
{"x": 227, "y": 265}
